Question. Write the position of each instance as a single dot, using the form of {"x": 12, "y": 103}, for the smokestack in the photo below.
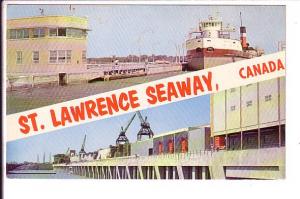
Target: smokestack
{"x": 243, "y": 35}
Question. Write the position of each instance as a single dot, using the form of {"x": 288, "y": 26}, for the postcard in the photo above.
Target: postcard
{"x": 137, "y": 91}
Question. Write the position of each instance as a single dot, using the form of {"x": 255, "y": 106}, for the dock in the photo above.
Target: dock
{"x": 93, "y": 72}
{"x": 268, "y": 163}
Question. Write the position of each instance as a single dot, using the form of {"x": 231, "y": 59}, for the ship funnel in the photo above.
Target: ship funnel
{"x": 243, "y": 35}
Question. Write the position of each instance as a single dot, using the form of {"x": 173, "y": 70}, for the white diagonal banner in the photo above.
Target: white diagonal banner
{"x": 148, "y": 95}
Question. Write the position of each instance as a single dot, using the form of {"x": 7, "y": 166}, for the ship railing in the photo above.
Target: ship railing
{"x": 119, "y": 66}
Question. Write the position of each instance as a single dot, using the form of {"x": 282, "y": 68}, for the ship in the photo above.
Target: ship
{"x": 211, "y": 45}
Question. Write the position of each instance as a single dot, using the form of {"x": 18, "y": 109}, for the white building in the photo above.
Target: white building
{"x": 251, "y": 116}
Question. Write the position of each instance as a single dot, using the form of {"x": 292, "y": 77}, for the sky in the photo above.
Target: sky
{"x": 102, "y": 133}
{"x": 122, "y": 30}
{"x": 133, "y": 29}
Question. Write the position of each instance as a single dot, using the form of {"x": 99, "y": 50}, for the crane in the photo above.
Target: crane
{"x": 122, "y": 138}
{"x": 145, "y": 127}
{"x": 82, "y": 151}
{"x": 67, "y": 151}
{"x": 66, "y": 158}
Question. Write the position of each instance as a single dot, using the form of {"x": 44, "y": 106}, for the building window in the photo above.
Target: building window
{"x": 84, "y": 56}
{"x": 268, "y": 98}
{"x": 38, "y": 32}
{"x": 36, "y": 57}
{"x": 53, "y": 56}
{"x": 18, "y": 34}
{"x": 12, "y": 34}
{"x": 232, "y": 108}
{"x": 62, "y": 32}
{"x": 19, "y": 57}
{"x": 61, "y": 56}
{"x": 67, "y": 32}
{"x": 53, "y": 32}
{"x": 25, "y": 33}
{"x": 69, "y": 55}
{"x": 78, "y": 33}
{"x": 249, "y": 103}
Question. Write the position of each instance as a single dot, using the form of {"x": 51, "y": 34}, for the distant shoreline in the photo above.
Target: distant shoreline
{"x": 12, "y": 172}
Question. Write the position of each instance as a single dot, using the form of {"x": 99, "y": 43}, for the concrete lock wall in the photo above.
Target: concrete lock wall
{"x": 82, "y": 77}
{"x": 161, "y": 68}
{"x": 45, "y": 79}
{"x": 198, "y": 140}
{"x": 19, "y": 80}
{"x": 268, "y": 163}
{"x": 141, "y": 148}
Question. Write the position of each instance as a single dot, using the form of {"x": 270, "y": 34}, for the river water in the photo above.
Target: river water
{"x": 42, "y": 174}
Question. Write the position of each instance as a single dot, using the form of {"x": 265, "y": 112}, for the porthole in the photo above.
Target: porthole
{"x": 198, "y": 50}
{"x": 210, "y": 49}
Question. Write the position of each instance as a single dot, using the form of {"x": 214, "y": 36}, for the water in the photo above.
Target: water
{"x": 42, "y": 174}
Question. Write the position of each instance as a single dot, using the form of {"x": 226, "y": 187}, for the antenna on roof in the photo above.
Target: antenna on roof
{"x": 241, "y": 19}
{"x": 217, "y": 15}
{"x": 72, "y": 9}
{"x": 41, "y": 11}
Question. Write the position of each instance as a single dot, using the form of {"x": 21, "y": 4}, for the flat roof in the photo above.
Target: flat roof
{"x": 46, "y": 16}
{"x": 48, "y": 21}
{"x": 179, "y": 131}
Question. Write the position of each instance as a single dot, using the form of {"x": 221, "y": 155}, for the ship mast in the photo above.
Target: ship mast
{"x": 243, "y": 35}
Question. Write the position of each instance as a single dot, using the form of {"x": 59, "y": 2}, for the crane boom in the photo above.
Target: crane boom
{"x": 140, "y": 116}
{"x": 67, "y": 150}
{"x": 83, "y": 144}
{"x": 129, "y": 123}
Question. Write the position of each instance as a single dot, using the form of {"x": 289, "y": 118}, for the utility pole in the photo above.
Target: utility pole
{"x": 183, "y": 52}
{"x": 179, "y": 51}
{"x": 176, "y": 55}
{"x": 44, "y": 158}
